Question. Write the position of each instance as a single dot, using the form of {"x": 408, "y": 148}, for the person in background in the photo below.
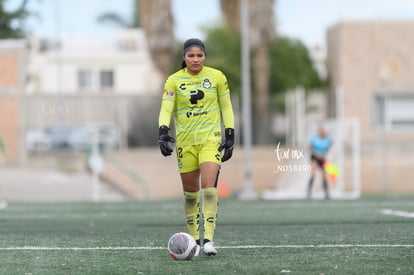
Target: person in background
{"x": 199, "y": 98}
{"x": 319, "y": 146}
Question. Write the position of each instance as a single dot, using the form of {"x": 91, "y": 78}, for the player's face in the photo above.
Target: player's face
{"x": 322, "y": 132}
{"x": 194, "y": 57}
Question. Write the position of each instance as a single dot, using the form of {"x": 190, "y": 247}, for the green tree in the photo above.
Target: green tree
{"x": 225, "y": 54}
{"x": 292, "y": 66}
{"x": 12, "y": 22}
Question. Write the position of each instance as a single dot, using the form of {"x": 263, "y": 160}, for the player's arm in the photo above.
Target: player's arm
{"x": 164, "y": 119}
{"x": 228, "y": 117}
{"x": 225, "y": 103}
{"x": 167, "y": 104}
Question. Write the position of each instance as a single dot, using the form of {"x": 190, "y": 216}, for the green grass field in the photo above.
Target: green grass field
{"x": 252, "y": 237}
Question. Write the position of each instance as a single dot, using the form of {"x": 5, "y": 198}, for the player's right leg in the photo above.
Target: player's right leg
{"x": 190, "y": 174}
{"x": 192, "y": 215}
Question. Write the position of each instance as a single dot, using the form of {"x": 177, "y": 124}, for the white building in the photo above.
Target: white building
{"x": 119, "y": 65}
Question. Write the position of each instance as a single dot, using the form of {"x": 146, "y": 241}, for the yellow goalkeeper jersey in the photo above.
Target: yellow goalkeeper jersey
{"x": 198, "y": 103}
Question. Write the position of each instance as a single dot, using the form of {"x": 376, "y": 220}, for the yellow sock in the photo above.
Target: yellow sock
{"x": 192, "y": 213}
{"x": 209, "y": 210}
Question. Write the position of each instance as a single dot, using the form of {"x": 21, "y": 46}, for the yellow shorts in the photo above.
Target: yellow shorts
{"x": 190, "y": 157}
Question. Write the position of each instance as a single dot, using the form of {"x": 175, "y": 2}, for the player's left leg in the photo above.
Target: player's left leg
{"x": 325, "y": 184}
{"x": 210, "y": 161}
{"x": 209, "y": 194}
{"x": 210, "y": 212}
{"x": 321, "y": 164}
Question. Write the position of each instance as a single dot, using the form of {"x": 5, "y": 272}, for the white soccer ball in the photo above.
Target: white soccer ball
{"x": 182, "y": 246}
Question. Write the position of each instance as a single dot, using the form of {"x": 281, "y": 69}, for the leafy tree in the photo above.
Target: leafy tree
{"x": 12, "y": 22}
{"x": 223, "y": 52}
{"x": 292, "y": 66}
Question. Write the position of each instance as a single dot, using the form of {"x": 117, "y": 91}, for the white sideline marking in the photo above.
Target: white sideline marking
{"x": 84, "y": 248}
{"x": 397, "y": 213}
{"x": 318, "y": 246}
{"x": 45, "y": 248}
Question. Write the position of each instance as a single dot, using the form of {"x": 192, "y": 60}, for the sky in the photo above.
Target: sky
{"x": 306, "y": 20}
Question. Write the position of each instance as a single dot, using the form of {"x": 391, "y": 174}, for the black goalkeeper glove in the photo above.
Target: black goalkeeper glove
{"x": 227, "y": 145}
{"x": 163, "y": 140}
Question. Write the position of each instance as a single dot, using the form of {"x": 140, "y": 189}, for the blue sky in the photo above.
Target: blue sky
{"x": 306, "y": 20}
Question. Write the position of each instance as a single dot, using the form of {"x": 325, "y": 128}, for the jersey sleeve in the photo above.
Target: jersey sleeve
{"x": 225, "y": 102}
{"x": 167, "y": 104}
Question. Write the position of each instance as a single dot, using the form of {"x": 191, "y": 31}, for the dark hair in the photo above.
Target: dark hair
{"x": 192, "y": 42}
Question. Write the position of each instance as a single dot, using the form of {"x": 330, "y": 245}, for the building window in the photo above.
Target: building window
{"x": 85, "y": 79}
{"x": 106, "y": 80}
{"x": 394, "y": 111}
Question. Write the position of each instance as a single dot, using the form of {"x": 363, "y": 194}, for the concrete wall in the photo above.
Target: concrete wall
{"x": 365, "y": 59}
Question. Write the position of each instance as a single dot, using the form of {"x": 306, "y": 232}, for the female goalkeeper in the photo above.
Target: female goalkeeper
{"x": 199, "y": 98}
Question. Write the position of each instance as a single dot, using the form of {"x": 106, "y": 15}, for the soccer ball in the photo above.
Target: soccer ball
{"x": 182, "y": 246}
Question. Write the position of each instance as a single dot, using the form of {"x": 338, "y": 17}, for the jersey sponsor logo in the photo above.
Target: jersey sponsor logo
{"x": 169, "y": 93}
{"x": 204, "y": 83}
{"x": 182, "y": 86}
{"x": 196, "y": 95}
{"x": 195, "y": 114}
